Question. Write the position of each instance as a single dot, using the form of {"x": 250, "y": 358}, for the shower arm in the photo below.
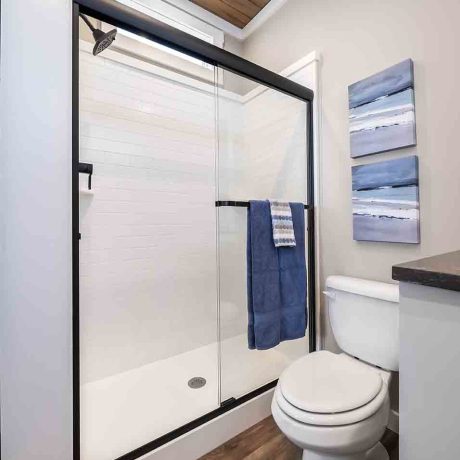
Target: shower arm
{"x": 88, "y": 22}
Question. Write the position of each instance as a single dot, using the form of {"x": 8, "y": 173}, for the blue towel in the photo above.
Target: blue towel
{"x": 277, "y": 279}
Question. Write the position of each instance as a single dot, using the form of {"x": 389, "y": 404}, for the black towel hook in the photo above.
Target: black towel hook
{"x": 86, "y": 168}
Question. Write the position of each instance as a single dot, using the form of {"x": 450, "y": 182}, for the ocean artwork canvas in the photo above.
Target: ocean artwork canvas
{"x": 386, "y": 201}
{"x": 382, "y": 111}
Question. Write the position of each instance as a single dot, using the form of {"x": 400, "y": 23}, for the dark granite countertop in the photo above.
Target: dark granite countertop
{"x": 441, "y": 271}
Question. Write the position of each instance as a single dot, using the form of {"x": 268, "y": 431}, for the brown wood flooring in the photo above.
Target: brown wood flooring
{"x": 264, "y": 441}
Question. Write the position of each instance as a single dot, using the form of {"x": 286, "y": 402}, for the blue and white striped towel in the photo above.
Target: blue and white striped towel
{"x": 283, "y": 230}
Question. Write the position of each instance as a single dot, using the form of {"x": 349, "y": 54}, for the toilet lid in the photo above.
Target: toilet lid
{"x": 328, "y": 383}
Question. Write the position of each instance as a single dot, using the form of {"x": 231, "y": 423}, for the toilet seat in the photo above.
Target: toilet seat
{"x": 326, "y": 389}
{"x": 342, "y": 418}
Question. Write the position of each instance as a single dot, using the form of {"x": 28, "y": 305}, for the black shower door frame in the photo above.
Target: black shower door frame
{"x": 145, "y": 26}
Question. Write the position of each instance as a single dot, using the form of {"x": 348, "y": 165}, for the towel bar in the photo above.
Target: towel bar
{"x": 242, "y": 204}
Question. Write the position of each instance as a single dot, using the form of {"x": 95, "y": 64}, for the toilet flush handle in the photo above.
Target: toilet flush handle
{"x": 329, "y": 294}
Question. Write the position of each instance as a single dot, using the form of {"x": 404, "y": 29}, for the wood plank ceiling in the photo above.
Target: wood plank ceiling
{"x": 237, "y": 12}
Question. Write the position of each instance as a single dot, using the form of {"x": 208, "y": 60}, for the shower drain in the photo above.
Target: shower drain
{"x": 197, "y": 382}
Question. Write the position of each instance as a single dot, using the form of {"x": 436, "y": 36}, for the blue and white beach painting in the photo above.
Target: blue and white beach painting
{"x": 385, "y": 201}
{"x": 382, "y": 111}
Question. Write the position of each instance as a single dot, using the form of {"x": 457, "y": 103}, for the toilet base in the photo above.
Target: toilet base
{"x": 378, "y": 452}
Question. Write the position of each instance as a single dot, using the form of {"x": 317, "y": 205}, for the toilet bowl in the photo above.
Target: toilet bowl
{"x": 335, "y": 406}
{"x": 344, "y": 407}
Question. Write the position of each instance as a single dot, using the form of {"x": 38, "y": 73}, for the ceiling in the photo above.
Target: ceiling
{"x": 237, "y": 12}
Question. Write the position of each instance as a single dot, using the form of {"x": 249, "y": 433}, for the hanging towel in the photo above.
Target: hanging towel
{"x": 276, "y": 279}
{"x": 283, "y": 230}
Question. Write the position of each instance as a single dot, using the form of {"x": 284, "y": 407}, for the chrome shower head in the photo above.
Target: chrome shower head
{"x": 103, "y": 39}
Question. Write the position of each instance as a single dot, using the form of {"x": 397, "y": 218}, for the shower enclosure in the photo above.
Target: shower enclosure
{"x": 172, "y": 137}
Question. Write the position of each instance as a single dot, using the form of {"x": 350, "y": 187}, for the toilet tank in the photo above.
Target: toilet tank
{"x": 364, "y": 316}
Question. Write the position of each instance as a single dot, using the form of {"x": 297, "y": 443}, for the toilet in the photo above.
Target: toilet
{"x": 335, "y": 406}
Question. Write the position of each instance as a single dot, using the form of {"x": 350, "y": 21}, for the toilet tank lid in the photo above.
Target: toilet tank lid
{"x": 368, "y": 288}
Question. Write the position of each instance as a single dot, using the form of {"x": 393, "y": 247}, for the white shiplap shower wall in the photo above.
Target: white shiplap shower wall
{"x": 148, "y": 250}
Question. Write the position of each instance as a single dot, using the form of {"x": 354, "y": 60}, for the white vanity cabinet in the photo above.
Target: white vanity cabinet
{"x": 429, "y": 406}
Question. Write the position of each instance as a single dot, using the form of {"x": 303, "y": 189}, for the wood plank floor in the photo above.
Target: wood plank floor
{"x": 262, "y": 441}
{"x": 265, "y": 441}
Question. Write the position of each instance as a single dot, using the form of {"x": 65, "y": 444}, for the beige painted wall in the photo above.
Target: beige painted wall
{"x": 357, "y": 38}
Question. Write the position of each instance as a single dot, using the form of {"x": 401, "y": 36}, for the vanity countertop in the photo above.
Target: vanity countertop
{"x": 441, "y": 271}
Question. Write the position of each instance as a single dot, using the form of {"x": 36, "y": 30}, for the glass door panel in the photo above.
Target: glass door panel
{"x": 262, "y": 154}
{"x": 148, "y": 276}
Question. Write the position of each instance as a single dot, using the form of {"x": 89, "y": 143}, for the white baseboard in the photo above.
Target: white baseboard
{"x": 212, "y": 434}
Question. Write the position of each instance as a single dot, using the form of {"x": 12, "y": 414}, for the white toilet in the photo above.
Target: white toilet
{"x": 336, "y": 406}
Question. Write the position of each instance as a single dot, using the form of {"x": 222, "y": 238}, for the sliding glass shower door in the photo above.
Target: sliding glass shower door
{"x": 177, "y": 148}
{"x": 148, "y": 272}
{"x": 262, "y": 155}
